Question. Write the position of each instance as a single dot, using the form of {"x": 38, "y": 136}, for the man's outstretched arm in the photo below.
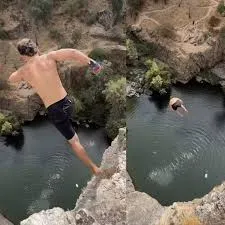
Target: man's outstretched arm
{"x": 69, "y": 54}
{"x": 76, "y": 55}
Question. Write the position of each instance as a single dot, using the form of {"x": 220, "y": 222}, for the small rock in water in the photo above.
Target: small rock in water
{"x": 154, "y": 153}
{"x": 77, "y": 185}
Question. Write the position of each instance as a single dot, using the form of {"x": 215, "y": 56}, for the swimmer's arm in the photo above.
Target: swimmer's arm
{"x": 182, "y": 106}
{"x": 69, "y": 54}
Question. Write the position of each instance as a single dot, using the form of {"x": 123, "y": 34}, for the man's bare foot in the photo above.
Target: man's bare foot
{"x": 96, "y": 171}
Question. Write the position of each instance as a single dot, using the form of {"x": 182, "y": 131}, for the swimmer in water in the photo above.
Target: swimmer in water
{"x": 176, "y": 104}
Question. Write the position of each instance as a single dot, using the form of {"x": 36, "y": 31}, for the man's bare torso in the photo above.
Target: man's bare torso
{"x": 41, "y": 73}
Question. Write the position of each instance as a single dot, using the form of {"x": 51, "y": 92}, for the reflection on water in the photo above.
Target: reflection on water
{"x": 16, "y": 142}
{"x": 177, "y": 158}
{"x": 160, "y": 102}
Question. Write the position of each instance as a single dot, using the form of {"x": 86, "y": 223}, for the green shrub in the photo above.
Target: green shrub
{"x": 91, "y": 18}
{"x": 7, "y": 128}
{"x": 2, "y": 119}
{"x": 41, "y": 10}
{"x": 115, "y": 94}
{"x": 117, "y": 7}
{"x": 131, "y": 49}
{"x": 97, "y": 54}
{"x": 55, "y": 34}
{"x": 112, "y": 126}
{"x": 221, "y": 7}
{"x": 3, "y": 34}
{"x": 76, "y": 36}
{"x": 73, "y": 7}
{"x": 78, "y": 106}
{"x": 14, "y": 121}
{"x": 136, "y": 4}
{"x": 157, "y": 77}
{"x": 64, "y": 43}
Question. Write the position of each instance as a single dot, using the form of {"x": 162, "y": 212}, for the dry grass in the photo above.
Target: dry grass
{"x": 191, "y": 221}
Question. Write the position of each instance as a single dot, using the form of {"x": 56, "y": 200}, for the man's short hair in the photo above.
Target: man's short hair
{"x": 27, "y": 47}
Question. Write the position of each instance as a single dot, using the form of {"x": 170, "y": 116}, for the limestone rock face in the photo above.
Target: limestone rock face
{"x": 105, "y": 198}
{"x": 4, "y": 221}
{"x": 55, "y": 216}
{"x": 211, "y": 207}
{"x": 188, "y": 44}
{"x": 143, "y": 209}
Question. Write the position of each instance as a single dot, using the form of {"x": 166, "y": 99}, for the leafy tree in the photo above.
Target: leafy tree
{"x": 157, "y": 78}
{"x": 115, "y": 94}
{"x": 221, "y": 7}
{"x": 7, "y": 128}
{"x": 41, "y": 9}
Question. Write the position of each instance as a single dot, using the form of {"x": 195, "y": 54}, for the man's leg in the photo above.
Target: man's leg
{"x": 82, "y": 154}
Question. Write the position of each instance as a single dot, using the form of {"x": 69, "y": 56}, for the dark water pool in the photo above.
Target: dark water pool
{"x": 174, "y": 158}
{"x": 39, "y": 171}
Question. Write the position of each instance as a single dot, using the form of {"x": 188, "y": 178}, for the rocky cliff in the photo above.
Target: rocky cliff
{"x": 187, "y": 35}
{"x": 84, "y": 25}
{"x": 4, "y": 221}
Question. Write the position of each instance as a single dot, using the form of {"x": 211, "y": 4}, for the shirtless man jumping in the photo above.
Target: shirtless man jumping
{"x": 41, "y": 73}
{"x": 175, "y": 104}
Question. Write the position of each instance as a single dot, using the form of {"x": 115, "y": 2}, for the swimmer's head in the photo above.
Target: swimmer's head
{"x": 27, "y": 48}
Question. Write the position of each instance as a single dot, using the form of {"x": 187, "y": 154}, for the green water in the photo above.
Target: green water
{"x": 174, "y": 158}
{"x": 39, "y": 170}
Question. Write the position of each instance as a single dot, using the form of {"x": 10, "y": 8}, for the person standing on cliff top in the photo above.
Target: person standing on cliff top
{"x": 175, "y": 104}
{"x": 40, "y": 71}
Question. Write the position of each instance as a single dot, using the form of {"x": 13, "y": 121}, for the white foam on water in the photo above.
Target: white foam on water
{"x": 55, "y": 176}
{"x": 164, "y": 176}
{"x": 37, "y": 206}
{"x": 41, "y": 203}
{"x": 46, "y": 193}
{"x": 91, "y": 143}
{"x": 161, "y": 177}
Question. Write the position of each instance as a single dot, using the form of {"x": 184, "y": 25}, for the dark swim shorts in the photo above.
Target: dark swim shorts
{"x": 176, "y": 105}
{"x": 60, "y": 114}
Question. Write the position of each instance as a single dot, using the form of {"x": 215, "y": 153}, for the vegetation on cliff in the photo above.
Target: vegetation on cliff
{"x": 100, "y": 98}
{"x": 116, "y": 98}
{"x": 9, "y": 125}
{"x": 221, "y": 7}
{"x": 132, "y": 53}
{"x": 66, "y": 25}
{"x": 157, "y": 78}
